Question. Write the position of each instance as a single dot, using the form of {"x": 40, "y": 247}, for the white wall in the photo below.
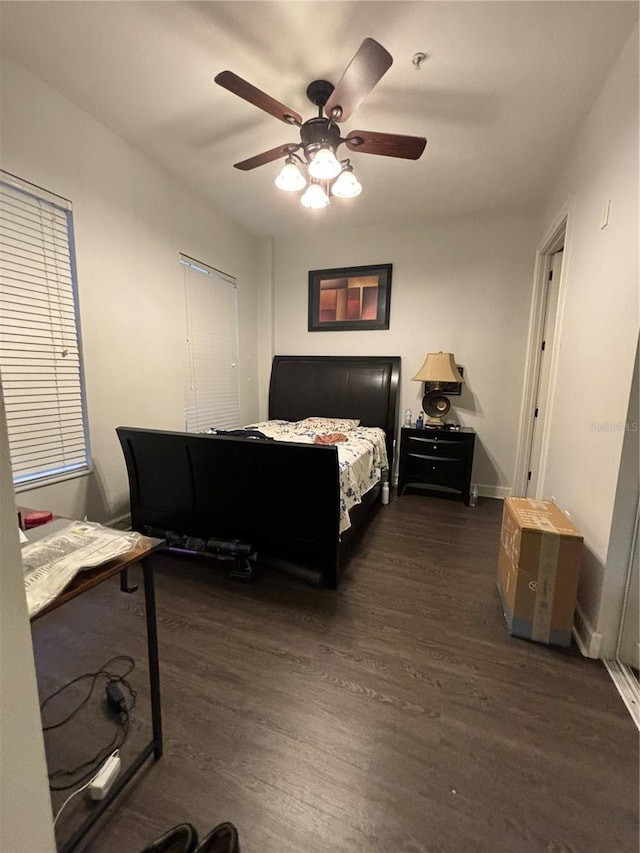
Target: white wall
{"x": 131, "y": 221}
{"x": 599, "y": 327}
{"x": 460, "y": 285}
{"x": 25, "y": 807}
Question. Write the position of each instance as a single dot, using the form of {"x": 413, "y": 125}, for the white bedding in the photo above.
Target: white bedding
{"x": 361, "y": 459}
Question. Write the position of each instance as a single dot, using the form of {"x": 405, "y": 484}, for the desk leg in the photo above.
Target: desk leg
{"x": 124, "y": 582}
{"x": 152, "y": 645}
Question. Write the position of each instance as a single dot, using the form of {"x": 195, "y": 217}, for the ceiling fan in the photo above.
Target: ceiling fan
{"x": 321, "y": 136}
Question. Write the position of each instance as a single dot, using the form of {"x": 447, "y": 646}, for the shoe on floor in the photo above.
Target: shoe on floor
{"x": 179, "y": 839}
{"x": 222, "y": 839}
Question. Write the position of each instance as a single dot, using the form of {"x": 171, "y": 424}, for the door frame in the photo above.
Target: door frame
{"x": 545, "y": 360}
{"x": 556, "y": 237}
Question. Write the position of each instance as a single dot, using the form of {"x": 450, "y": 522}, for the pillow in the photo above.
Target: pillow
{"x": 329, "y": 424}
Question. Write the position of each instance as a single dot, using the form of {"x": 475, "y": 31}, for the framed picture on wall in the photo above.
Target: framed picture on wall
{"x": 349, "y": 299}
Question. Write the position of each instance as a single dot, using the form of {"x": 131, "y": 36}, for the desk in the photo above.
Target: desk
{"x": 83, "y": 582}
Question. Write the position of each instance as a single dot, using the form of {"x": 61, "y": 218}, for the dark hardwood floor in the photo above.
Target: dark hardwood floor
{"x": 395, "y": 715}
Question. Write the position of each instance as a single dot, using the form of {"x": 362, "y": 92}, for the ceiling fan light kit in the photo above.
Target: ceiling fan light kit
{"x": 320, "y": 136}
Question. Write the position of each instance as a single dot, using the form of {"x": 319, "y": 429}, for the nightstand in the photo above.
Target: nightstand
{"x": 436, "y": 461}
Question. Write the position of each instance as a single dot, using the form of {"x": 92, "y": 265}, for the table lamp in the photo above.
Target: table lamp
{"x": 438, "y": 368}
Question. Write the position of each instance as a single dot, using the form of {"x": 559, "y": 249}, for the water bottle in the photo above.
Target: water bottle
{"x": 384, "y": 497}
{"x": 407, "y": 418}
{"x": 473, "y": 496}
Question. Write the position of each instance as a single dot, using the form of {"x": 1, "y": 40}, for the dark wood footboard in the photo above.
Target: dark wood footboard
{"x": 281, "y": 497}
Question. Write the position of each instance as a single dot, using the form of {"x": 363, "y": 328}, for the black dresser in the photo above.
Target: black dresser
{"x": 437, "y": 461}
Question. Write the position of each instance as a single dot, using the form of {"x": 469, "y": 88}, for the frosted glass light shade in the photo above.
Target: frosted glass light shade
{"x": 324, "y": 165}
{"x": 290, "y": 178}
{"x": 314, "y": 197}
{"x": 346, "y": 185}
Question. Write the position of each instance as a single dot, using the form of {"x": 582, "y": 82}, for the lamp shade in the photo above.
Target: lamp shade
{"x": 314, "y": 197}
{"x": 346, "y": 184}
{"x": 439, "y": 367}
{"x": 324, "y": 165}
{"x": 290, "y": 178}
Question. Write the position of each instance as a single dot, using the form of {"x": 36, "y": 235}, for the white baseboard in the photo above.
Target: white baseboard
{"x": 500, "y": 492}
{"x": 121, "y": 522}
{"x": 588, "y": 639}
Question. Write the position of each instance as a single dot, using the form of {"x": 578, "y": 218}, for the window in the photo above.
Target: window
{"x": 40, "y": 357}
{"x": 212, "y": 397}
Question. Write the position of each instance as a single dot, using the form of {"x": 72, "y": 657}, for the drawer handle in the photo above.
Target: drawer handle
{"x": 446, "y": 459}
{"x": 433, "y": 439}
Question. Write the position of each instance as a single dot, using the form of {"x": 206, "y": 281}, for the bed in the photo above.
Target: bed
{"x": 282, "y": 497}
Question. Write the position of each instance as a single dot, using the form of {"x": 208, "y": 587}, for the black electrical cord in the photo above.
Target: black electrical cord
{"x": 123, "y": 712}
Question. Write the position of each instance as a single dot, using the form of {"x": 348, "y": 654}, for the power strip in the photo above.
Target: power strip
{"x": 105, "y": 777}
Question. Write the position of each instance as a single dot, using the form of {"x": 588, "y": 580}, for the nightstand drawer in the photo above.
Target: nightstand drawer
{"x": 441, "y": 471}
{"x": 437, "y": 446}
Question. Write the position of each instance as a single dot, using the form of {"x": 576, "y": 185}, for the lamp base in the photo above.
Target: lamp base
{"x": 436, "y": 406}
{"x": 434, "y": 422}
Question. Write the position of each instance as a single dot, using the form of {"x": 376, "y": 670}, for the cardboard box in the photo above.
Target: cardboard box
{"x": 538, "y": 570}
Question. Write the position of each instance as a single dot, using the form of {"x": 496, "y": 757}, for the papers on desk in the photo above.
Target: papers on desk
{"x": 52, "y": 562}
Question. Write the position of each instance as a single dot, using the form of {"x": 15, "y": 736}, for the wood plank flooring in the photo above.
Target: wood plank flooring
{"x": 395, "y": 715}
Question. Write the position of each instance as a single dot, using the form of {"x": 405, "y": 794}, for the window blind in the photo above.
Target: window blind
{"x": 212, "y": 398}
{"x": 40, "y": 357}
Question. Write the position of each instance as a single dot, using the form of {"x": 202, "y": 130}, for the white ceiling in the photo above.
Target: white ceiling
{"x": 500, "y": 97}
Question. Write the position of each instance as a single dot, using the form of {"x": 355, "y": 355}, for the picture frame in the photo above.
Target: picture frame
{"x": 451, "y": 389}
{"x": 350, "y": 299}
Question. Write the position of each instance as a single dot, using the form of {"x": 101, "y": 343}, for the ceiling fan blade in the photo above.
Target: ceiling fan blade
{"x": 361, "y": 75}
{"x": 229, "y": 80}
{"x": 387, "y": 144}
{"x": 265, "y": 157}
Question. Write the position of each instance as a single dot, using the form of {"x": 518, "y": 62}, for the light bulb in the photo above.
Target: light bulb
{"x": 314, "y": 197}
{"x": 324, "y": 165}
{"x": 347, "y": 185}
{"x": 290, "y": 177}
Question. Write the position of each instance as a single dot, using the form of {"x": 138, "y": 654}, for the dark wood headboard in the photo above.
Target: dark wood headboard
{"x": 351, "y": 386}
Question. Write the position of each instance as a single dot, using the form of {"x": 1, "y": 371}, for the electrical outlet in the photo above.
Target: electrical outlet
{"x": 604, "y": 216}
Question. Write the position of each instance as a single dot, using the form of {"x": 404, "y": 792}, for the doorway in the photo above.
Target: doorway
{"x": 539, "y": 369}
{"x": 545, "y": 354}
